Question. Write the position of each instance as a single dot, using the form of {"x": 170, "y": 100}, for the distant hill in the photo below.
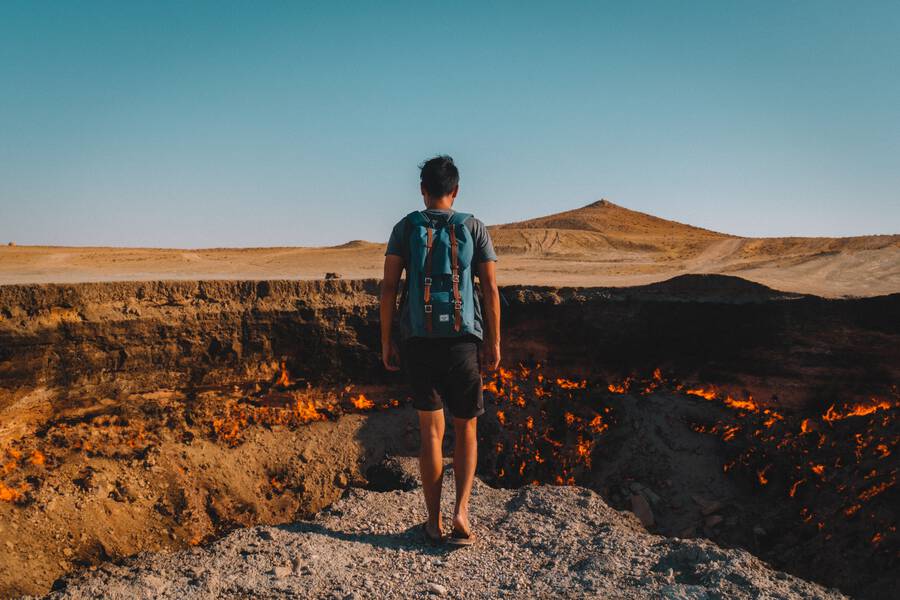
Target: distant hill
{"x": 601, "y": 226}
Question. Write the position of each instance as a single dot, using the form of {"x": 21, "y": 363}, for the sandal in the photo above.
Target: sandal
{"x": 459, "y": 538}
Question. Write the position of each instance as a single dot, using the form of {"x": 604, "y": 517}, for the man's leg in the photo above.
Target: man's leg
{"x": 431, "y": 464}
{"x": 465, "y": 457}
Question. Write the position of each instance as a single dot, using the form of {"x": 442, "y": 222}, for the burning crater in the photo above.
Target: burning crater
{"x": 140, "y": 416}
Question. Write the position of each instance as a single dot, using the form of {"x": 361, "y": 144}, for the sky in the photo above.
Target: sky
{"x": 192, "y": 124}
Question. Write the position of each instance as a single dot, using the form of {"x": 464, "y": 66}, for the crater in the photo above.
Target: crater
{"x": 168, "y": 413}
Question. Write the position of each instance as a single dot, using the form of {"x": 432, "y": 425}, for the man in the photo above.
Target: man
{"x": 441, "y": 332}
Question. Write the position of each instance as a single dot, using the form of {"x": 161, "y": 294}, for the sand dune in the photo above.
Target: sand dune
{"x": 601, "y": 244}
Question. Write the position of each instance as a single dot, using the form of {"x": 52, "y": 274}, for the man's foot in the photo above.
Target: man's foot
{"x": 433, "y": 532}
{"x": 461, "y": 535}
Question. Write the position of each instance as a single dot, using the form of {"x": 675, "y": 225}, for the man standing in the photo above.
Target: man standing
{"x": 441, "y": 332}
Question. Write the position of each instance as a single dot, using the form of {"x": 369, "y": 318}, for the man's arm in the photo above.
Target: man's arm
{"x": 393, "y": 267}
{"x": 487, "y": 277}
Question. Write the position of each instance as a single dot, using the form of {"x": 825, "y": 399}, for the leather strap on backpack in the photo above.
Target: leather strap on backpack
{"x": 454, "y": 265}
{"x": 427, "y": 282}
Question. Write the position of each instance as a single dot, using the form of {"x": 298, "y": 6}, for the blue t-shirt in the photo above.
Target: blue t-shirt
{"x": 398, "y": 245}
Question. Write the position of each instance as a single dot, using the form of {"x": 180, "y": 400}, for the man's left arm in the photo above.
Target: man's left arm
{"x": 393, "y": 267}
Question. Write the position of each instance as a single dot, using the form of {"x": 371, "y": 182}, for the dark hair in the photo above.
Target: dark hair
{"x": 439, "y": 176}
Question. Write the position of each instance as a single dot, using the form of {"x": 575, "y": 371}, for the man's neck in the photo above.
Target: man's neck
{"x": 440, "y": 204}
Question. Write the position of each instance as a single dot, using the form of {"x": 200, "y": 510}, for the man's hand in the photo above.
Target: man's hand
{"x": 491, "y": 356}
{"x": 390, "y": 356}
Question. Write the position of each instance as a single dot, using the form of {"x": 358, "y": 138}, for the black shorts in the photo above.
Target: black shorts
{"x": 445, "y": 370}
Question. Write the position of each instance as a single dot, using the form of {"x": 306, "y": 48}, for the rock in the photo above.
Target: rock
{"x": 282, "y": 571}
{"x": 436, "y": 589}
{"x": 641, "y": 508}
{"x": 341, "y": 480}
{"x": 332, "y": 275}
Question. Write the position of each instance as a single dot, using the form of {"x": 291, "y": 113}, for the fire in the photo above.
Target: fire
{"x": 568, "y": 384}
{"x": 362, "y": 403}
{"x": 37, "y": 458}
{"x": 550, "y": 425}
{"x": 238, "y": 417}
{"x": 747, "y": 404}
{"x": 708, "y": 394}
{"x": 873, "y": 491}
{"x": 818, "y": 469}
{"x": 621, "y": 388}
{"x": 284, "y": 378}
{"x": 17, "y": 494}
{"x": 797, "y": 484}
{"x": 855, "y": 410}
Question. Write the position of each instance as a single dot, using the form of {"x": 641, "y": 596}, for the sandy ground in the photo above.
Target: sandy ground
{"x": 601, "y": 244}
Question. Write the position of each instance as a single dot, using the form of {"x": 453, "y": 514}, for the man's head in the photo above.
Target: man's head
{"x": 440, "y": 181}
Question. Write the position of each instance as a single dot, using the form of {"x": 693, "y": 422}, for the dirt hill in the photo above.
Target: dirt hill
{"x": 598, "y": 227}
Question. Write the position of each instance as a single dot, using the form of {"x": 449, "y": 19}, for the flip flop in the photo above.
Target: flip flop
{"x": 458, "y": 538}
{"x": 430, "y": 538}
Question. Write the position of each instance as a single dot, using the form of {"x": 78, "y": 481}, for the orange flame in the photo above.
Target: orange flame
{"x": 284, "y": 378}
{"x": 37, "y": 458}
{"x": 362, "y": 403}
{"x": 855, "y": 410}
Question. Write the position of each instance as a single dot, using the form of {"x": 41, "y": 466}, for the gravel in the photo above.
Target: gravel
{"x": 533, "y": 542}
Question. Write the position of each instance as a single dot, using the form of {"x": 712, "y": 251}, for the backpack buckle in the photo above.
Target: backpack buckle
{"x": 455, "y": 278}
{"x": 428, "y": 281}
{"x": 428, "y": 308}
{"x": 457, "y": 304}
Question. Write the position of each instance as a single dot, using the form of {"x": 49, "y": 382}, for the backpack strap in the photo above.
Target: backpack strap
{"x": 454, "y": 265}
{"x": 426, "y": 296}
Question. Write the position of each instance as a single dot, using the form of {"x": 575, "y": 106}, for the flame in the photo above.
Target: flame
{"x": 797, "y": 484}
{"x": 362, "y": 403}
{"x": 37, "y": 458}
{"x": 761, "y": 475}
{"x": 708, "y": 394}
{"x": 8, "y": 494}
{"x": 284, "y": 378}
{"x": 855, "y": 410}
{"x": 568, "y": 384}
{"x": 747, "y": 404}
{"x": 873, "y": 491}
{"x": 501, "y": 416}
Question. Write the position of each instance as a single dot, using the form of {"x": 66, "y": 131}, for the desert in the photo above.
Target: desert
{"x": 601, "y": 243}
{"x": 229, "y": 406}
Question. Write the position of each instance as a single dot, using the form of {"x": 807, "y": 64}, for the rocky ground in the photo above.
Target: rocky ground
{"x": 535, "y": 542}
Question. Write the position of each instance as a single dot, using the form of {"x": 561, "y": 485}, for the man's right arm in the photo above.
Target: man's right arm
{"x": 488, "y": 278}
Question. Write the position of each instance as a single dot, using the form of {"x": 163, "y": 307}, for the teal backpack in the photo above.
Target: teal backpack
{"x": 439, "y": 296}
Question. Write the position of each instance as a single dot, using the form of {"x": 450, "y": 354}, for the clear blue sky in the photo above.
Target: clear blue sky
{"x": 195, "y": 124}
